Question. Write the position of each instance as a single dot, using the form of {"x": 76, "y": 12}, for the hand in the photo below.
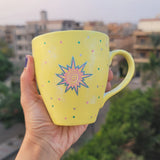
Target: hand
{"x": 41, "y": 133}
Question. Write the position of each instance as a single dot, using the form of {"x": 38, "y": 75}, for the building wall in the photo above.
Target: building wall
{"x": 143, "y": 45}
{"x": 152, "y": 25}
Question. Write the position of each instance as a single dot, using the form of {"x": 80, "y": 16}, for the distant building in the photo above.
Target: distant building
{"x": 96, "y": 26}
{"x": 120, "y": 38}
{"x": 19, "y": 38}
{"x": 35, "y": 28}
{"x": 143, "y": 45}
{"x": 2, "y": 32}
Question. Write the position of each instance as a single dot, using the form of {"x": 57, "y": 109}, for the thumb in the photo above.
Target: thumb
{"x": 29, "y": 93}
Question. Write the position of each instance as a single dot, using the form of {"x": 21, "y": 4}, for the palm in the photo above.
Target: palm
{"x": 39, "y": 125}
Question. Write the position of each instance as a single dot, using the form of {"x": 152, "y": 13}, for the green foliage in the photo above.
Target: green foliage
{"x": 132, "y": 124}
{"x": 155, "y": 39}
{"x": 130, "y": 156}
{"x": 5, "y": 49}
{"x": 10, "y": 108}
{"x": 151, "y": 70}
{"x": 6, "y": 67}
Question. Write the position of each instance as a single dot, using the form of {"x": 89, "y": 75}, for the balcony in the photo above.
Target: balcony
{"x": 145, "y": 46}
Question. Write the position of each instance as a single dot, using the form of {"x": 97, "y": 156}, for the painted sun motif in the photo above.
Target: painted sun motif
{"x": 73, "y": 77}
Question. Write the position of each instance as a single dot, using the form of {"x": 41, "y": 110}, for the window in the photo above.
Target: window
{"x": 142, "y": 54}
{"x": 19, "y": 37}
{"x": 142, "y": 41}
{"x": 19, "y": 47}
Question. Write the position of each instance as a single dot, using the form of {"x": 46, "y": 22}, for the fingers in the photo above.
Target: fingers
{"x": 110, "y": 77}
{"x": 108, "y": 88}
{"x": 28, "y": 82}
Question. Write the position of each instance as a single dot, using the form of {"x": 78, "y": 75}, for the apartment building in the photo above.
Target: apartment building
{"x": 143, "y": 44}
{"x": 95, "y": 26}
{"x": 35, "y": 28}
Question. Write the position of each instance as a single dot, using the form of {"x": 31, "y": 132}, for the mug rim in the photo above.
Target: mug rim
{"x": 60, "y": 32}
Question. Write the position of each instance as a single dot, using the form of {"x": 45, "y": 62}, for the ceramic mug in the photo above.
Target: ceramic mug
{"x": 72, "y": 72}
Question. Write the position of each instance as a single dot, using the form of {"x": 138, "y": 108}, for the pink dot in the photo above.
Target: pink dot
{"x": 92, "y": 51}
{"x": 87, "y": 102}
{"x": 45, "y": 62}
{"x": 65, "y": 118}
{"x": 51, "y": 98}
{"x": 42, "y": 85}
{"x": 61, "y": 42}
{"x": 59, "y": 99}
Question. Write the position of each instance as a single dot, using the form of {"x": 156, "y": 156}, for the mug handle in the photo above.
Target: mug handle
{"x": 127, "y": 79}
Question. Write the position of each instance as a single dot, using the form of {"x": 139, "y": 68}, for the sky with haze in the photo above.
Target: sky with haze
{"x": 20, "y": 11}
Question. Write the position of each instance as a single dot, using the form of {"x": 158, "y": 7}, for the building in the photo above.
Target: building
{"x": 19, "y": 38}
{"x": 95, "y": 26}
{"x": 143, "y": 43}
{"x": 35, "y": 28}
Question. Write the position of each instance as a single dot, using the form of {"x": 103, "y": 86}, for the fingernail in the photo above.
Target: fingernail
{"x": 26, "y": 60}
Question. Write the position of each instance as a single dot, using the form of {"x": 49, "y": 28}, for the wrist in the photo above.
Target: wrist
{"x": 36, "y": 149}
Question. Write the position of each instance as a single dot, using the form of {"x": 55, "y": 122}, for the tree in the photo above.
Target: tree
{"x": 5, "y": 49}
{"x": 131, "y": 130}
{"x": 151, "y": 70}
{"x": 155, "y": 39}
{"x": 5, "y": 68}
{"x": 10, "y": 107}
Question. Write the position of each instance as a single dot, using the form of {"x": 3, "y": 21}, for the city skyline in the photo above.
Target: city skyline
{"x": 20, "y": 11}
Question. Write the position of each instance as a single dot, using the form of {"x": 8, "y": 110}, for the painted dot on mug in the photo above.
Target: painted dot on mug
{"x": 74, "y": 117}
{"x": 87, "y": 102}
{"x": 49, "y": 51}
{"x": 74, "y": 108}
{"x": 42, "y": 85}
{"x": 44, "y": 42}
{"x": 92, "y": 50}
{"x": 60, "y": 42}
{"x": 98, "y": 97}
{"x": 98, "y": 68}
{"x": 78, "y": 42}
{"x": 97, "y": 86}
{"x": 65, "y": 118}
{"x": 88, "y": 37}
{"x": 59, "y": 99}
{"x": 101, "y": 49}
{"x": 51, "y": 98}
{"x": 80, "y": 54}
{"x": 90, "y": 116}
{"x": 45, "y": 62}
{"x": 49, "y": 81}
{"x": 100, "y": 41}
{"x": 52, "y": 106}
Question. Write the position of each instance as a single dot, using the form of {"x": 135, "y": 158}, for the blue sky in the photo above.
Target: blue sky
{"x": 20, "y": 11}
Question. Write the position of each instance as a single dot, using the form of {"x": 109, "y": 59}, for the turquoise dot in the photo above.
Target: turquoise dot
{"x": 98, "y": 97}
{"x": 98, "y": 68}
{"x": 100, "y": 41}
{"x": 44, "y": 42}
{"x": 73, "y": 116}
{"x": 78, "y": 42}
{"x": 48, "y": 81}
{"x": 52, "y": 105}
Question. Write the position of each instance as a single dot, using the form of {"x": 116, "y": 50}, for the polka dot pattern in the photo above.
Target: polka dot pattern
{"x": 88, "y": 102}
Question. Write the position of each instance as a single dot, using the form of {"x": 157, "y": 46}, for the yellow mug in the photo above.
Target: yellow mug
{"x": 72, "y": 72}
